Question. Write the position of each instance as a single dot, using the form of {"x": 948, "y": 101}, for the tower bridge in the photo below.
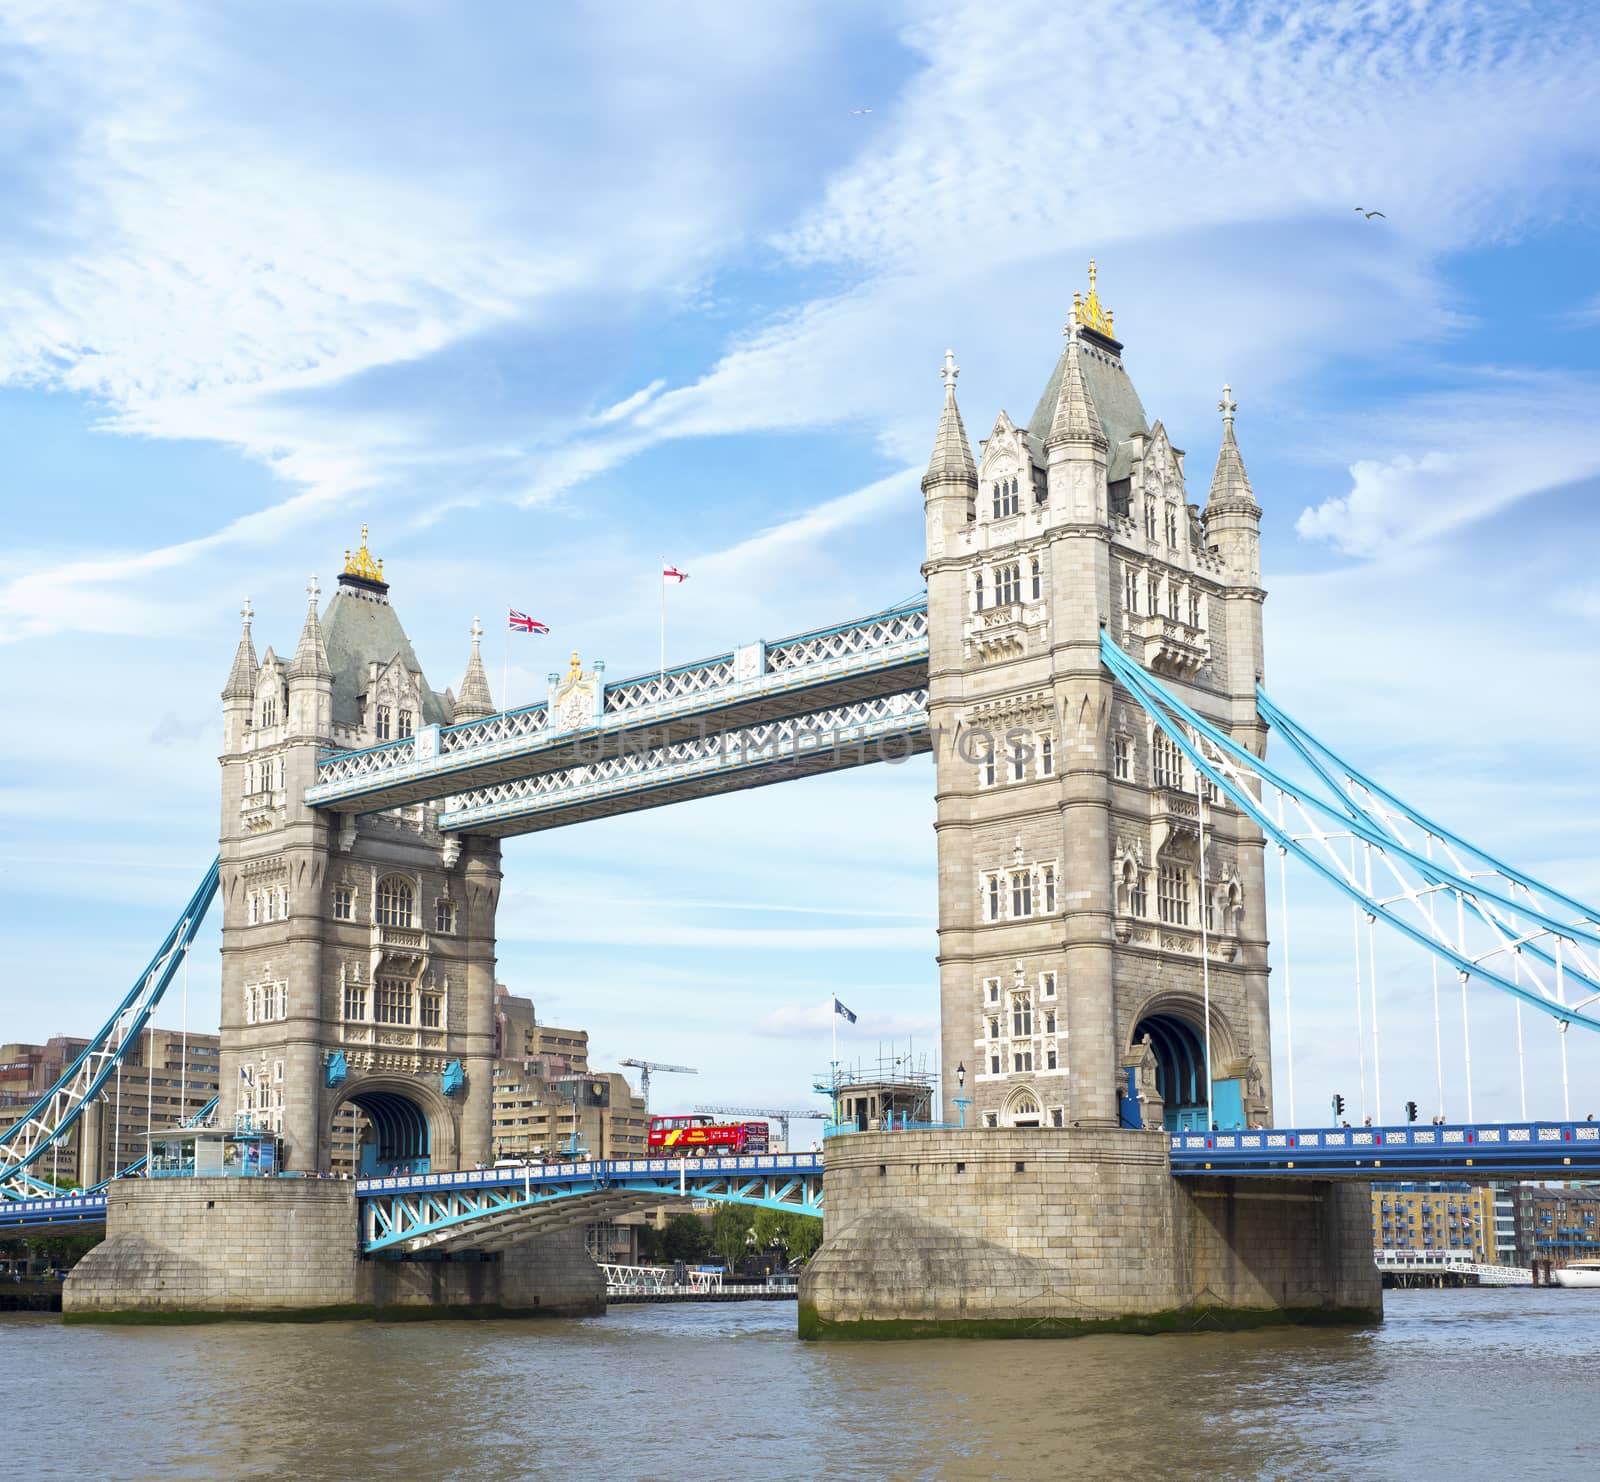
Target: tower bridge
{"x": 1087, "y": 670}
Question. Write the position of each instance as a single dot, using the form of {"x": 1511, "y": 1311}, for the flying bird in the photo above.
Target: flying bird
{"x": 1370, "y": 214}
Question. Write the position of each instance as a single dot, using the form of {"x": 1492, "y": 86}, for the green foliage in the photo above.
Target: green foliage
{"x": 685, "y": 1238}
{"x": 730, "y": 1233}
{"x": 798, "y": 1235}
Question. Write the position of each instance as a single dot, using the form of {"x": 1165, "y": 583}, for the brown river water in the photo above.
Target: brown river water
{"x": 1454, "y": 1384}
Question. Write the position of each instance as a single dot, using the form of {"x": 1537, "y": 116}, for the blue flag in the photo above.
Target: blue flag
{"x": 839, "y": 1008}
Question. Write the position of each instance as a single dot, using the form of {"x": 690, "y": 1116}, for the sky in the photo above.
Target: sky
{"x": 546, "y": 298}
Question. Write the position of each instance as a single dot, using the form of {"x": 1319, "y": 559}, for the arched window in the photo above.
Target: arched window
{"x": 1149, "y": 517}
{"x": 1172, "y": 526}
{"x": 380, "y": 727}
{"x": 1007, "y": 585}
{"x": 977, "y": 587}
{"x": 269, "y": 710}
{"x": 1023, "y": 1110}
{"x": 1038, "y": 579}
{"x": 404, "y": 728}
{"x": 395, "y": 900}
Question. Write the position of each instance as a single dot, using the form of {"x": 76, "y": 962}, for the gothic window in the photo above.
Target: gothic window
{"x": 1021, "y": 894}
{"x": 432, "y": 1010}
{"x": 283, "y": 902}
{"x": 1038, "y": 579}
{"x": 269, "y": 710}
{"x": 992, "y": 1119}
{"x": 1047, "y": 985}
{"x": 992, "y": 985}
{"x": 994, "y": 1029}
{"x": 1007, "y": 501}
{"x": 393, "y": 1001}
{"x": 1194, "y": 609}
{"x": 1057, "y": 1116}
{"x": 977, "y": 589}
{"x": 280, "y": 772}
{"x": 1049, "y": 1021}
{"x": 1047, "y": 756}
{"x": 994, "y": 898}
{"x": 255, "y": 908}
{"x": 994, "y": 1069}
{"x": 343, "y": 903}
{"x": 394, "y": 902}
{"x": 380, "y": 727}
{"x": 403, "y": 725}
{"x": 1122, "y": 758}
{"x": 1172, "y": 526}
{"x": 1050, "y": 1062}
{"x": 1019, "y": 763}
{"x": 1130, "y": 590}
{"x": 1168, "y": 762}
{"x": 1149, "y": 517}
{"x": 1021, "y": 1015}
{"x": 1172, "y": 600}
{"x": 1139, "y": 895}
{"x": 444, "y": 917}
{"x": 1022, "y": 1060}
{"x": 1007, "y": 585}
{"x": 1152, "y": 590}
{"x": 1172, "y": 895}
{"x": 986, "y": 767}
{"x": 269, "y": 899}
{"x": 1049, "y": 888}
{"x": 355, "y": 1001}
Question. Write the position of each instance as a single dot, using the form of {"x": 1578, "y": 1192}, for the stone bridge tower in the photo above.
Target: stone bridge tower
{"x": 1071, "y": 906}
{"x": 358, "y": 954}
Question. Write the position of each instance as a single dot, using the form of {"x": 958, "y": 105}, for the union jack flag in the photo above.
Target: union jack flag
{"x": 520, "y": 622}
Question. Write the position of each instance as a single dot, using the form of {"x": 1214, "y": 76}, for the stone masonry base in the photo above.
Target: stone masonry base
{"x": 206, "y": 1249}
{"x": 1047, "y": 1232}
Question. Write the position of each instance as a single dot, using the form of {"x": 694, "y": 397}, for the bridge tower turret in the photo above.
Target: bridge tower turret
{"x": 358, "y": 953}
{"x": 1072, "y": 910}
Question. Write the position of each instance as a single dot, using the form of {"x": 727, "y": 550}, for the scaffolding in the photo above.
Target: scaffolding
{"x": 895, "y": 1090}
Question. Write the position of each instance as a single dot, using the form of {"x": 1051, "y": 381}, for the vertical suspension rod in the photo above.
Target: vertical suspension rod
{"x": 1361, "y": 1029}
{"x": 1372, "y": 989}
{"x": 1288, "y": 977}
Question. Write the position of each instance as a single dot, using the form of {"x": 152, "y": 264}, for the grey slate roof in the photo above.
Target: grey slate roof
{"x": 952, "y": 453}
{"x": 356, "y": 630}
{"x": 1120, "y": 410}
{"x": 242, "y": 677}
{"x": 1230, "y": 484}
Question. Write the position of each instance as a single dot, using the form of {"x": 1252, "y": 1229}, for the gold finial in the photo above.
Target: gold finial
{"x": 1090, "y": 312}
{"x": 575, "y": 671}
{"x": 361, "y": 564}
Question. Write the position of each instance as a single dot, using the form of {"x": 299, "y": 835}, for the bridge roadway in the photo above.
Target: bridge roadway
{"x": 490, "y": 1208}
{"x": 868, "y": 659}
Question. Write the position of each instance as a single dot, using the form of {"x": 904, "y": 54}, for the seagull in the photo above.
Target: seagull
{"x": 1370, "y": 214}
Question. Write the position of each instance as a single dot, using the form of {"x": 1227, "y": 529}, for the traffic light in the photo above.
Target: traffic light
{"x": 1338, "y": 1106}
{"x": 1411, "y": 1111}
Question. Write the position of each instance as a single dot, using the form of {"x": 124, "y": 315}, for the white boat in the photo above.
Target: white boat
{"x": 1578, "y": 1273}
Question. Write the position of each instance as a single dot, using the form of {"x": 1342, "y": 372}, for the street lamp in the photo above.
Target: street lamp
{"x": 962, "y": 1101}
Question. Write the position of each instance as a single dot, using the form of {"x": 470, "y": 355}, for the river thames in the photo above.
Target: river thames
{"x": 1453, "y": 1384}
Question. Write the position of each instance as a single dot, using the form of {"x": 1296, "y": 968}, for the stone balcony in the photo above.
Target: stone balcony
{"x": 400, "y": 951}
{"x": 1174, "y": 823}
{"x": 1167, "y": 646}
{"x": 1005, "y": 631}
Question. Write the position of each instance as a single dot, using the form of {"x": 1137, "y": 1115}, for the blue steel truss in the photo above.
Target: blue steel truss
{"x": 31, "y": 1138}
{"x": 490, "y": 1208}
{"x": 1487, "y": 921}
{"x": 1517, "y": 1150}
{"x": 885, "y": 653}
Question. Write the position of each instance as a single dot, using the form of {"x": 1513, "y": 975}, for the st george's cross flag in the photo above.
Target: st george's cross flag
{"x": 520, "y": 622}
{"x": 839, "y": 1008}
{"x": 671, "y": 573}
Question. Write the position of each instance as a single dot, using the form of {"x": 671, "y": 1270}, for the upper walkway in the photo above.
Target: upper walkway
{"x": 755, "y": 685}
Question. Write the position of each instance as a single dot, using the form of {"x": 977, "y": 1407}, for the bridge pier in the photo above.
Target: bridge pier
{"x": 1046, "y": 1232}
{"x": 180, "y": 1250}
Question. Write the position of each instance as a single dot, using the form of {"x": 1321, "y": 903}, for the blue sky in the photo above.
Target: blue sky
{"x": 546, "y": 298}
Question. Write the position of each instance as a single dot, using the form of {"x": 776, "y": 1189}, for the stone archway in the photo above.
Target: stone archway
{"x": 1022, "y": 1109}
{"x": 405, "y": 1126}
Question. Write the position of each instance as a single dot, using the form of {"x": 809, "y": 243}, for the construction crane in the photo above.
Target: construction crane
{"x": 782, "y": 1118}
{"x": 644, "y": 1067}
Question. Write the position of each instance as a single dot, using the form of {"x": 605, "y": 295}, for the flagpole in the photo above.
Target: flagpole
{"x": 505, "y": 666}
{"x": 661, "y": 579}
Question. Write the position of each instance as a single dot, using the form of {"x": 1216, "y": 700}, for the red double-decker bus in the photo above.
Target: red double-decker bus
{"x": 701, "y": 1137}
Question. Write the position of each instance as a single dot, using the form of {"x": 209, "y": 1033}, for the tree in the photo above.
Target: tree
{"x": 685, "y": 1239}
{"x": 798, "y": 1235}
{"x": 730, "y": 1233}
